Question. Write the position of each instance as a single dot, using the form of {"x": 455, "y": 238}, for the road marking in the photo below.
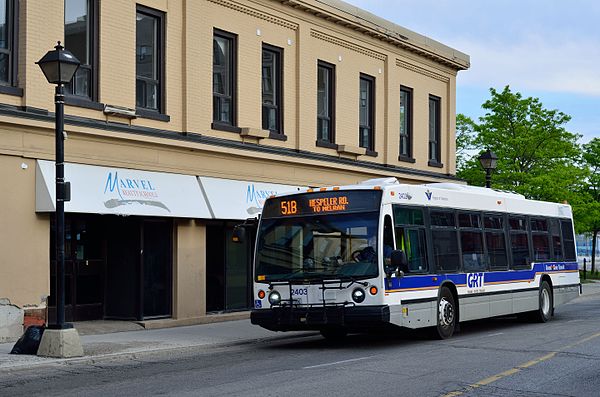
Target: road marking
{"x": 338, "y": 362}
{"x": 518, "y": 368}
{"x": 496, "y": 334}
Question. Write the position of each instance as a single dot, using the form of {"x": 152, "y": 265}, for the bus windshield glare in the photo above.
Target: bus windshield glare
{"x": 319, "y": 236}
{"x": 318, "y": 247}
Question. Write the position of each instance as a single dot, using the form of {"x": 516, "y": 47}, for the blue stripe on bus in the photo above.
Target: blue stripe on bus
{"x": 434, "y": 280}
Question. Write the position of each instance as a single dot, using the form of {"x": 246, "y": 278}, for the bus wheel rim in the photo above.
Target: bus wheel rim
{"x": 545, "y": 302}
{"x": 446, "y": 313}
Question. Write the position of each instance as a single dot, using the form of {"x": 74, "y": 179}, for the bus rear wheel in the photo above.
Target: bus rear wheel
{"x": 446, "y": 314}
{"x": 546, "y": 305}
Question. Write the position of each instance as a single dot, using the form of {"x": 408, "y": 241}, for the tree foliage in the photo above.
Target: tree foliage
{"x": 587, "y": 211}
{"x": 537, "y": 156}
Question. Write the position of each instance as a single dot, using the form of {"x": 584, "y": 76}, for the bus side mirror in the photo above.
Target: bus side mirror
{"x": 239, "y": 234}
{"x": 398, "y": 260}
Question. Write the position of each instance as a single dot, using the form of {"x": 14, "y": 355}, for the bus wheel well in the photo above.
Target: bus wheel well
{"x": 454, "y": 292}
{"x": 546, "y": 277}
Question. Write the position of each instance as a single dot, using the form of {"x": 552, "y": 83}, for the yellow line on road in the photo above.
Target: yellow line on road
{"x": 518, "y": 368}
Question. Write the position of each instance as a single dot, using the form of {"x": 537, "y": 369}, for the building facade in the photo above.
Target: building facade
{"x": 182, "y": 118}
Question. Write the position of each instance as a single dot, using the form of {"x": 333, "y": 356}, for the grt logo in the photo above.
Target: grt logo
{"x": 474, "y": 280}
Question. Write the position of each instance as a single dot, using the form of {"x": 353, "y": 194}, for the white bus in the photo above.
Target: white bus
{"x": 351, "y": 258}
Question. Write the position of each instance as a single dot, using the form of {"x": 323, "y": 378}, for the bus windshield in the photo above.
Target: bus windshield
{"x": 318, "y": 247}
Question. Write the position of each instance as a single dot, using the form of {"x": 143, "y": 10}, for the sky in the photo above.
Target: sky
{"x": 548, "y": 49}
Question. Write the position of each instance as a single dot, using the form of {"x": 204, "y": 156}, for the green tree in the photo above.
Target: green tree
{"x": 537, "y": 156}
{"x": 588, "y": 211}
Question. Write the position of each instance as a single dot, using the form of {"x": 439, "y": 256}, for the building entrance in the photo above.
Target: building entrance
{"x": 116, "y": 268}
{"x": 228, "y": 269}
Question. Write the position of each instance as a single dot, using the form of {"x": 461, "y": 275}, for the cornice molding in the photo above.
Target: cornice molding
{"x": 397, "y": 40}
{"x": 425, "y": 72}
{"x": 346, "y": 44}
{"x": 256, "y": 14}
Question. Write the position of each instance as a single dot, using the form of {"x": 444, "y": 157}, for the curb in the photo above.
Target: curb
{"x": 138, "y": 354}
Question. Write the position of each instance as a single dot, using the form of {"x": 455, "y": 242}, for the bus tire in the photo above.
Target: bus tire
{"x": 445, "y": 314}
{"x": 546, "y": 303}
{"x": 334, "y": 334}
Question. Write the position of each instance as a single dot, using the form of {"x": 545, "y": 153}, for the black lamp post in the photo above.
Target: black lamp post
{"x": 59, "y": 66}
{"x": 488, "y": 161}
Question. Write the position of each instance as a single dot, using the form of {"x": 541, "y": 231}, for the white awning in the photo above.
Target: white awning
{"x": 233, "y": 199}
{"x": 120, "y": 191}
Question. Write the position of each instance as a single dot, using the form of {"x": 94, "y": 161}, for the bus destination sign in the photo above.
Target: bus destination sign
{"x": 322, "y": 203}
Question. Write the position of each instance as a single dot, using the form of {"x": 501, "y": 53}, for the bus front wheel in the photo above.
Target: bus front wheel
{"x": 446, "y": 314}
{"x": 334, "y": 334}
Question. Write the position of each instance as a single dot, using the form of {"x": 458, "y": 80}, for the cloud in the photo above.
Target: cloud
{"x": 533, "y": 63}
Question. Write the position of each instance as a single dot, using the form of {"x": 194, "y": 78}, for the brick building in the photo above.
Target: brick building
{"x": 182, "y": 118}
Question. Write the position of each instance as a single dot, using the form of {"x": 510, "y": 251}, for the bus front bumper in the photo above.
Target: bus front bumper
{"x": 298, "y": 318}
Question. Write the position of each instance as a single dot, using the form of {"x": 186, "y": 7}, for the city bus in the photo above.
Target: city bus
{"x": 352, "y": 258}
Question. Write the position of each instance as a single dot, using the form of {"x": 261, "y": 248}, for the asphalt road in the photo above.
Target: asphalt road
{"x": 499, "y": 357}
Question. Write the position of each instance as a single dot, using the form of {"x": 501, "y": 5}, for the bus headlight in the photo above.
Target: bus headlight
{"x": 274, "y": 298}
{"x": 358, "y": 295}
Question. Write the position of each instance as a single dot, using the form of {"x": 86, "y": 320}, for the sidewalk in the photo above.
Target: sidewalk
{"x": 114, "y": 344}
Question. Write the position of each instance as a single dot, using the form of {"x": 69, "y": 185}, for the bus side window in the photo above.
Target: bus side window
{"x": 410, "y": 237}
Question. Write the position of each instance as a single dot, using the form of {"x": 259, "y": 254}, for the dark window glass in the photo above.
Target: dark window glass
{"x": 7, "y": 42}
{"x": 493, "y": 222}
{"x": 79, "y": 22}
{"x": 366, "y": 113}
{"x": 405, "y": 122}
{"x": 442, "y": 218}
{"x": 445, "y": 250}
{"x": 517, "y": 223}
{"x": 471, "y": 243}
{"x": 541, "y": 246}
{"x": 148, "y": 60}
{"x": 223, "y": 78}
{"x": 271, "y": 89}
{"x": 496, "y": 247}
{"x": 556, "y": 241}
{"x": 568, "y": 240}
{"x": 469, "y": 220}
{"x": 325, "y": 85}
{"x": 520, "y": 249}
{"x": 408, "y": 216}
{"x": 539, "y": 225}
{"x": 434, "y": 129}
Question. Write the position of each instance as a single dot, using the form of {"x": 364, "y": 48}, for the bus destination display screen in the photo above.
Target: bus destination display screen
{"x": 323, "y": 203}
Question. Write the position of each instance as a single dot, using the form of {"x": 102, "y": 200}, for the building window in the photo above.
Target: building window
{"x": 149, "y": 59}
{"x": 325, "y": 102}
{"x": 366, "y": 113}
{"x": 81, "y": 38}
{"x": 272, "y": 73}
{"x": 224, "y": 45}
{"x": 434, "y": 131}
{"x": 406, "y": 117}
{"x": 8, "y": 44}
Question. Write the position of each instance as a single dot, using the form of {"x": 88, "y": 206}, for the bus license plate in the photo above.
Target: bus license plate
{"x": 300, "y": 295}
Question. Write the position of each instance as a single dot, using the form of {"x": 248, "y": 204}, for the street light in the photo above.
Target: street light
{"x": 488, "y": 161}
{"x": 59, "y": 66}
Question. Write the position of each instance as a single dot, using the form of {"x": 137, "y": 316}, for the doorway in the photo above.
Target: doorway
{"x": 228, "y": 269}
{"x": 115, "y": 268}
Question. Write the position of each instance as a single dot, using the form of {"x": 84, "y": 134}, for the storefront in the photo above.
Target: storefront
{"x": 119, "y": 231}
{"x": 122, "y": 253}
{"x": 228, "y": 264}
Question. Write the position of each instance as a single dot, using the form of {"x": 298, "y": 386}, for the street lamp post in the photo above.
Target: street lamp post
{"x": 61, "y": 339}
{"x": 488, "y": 161}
